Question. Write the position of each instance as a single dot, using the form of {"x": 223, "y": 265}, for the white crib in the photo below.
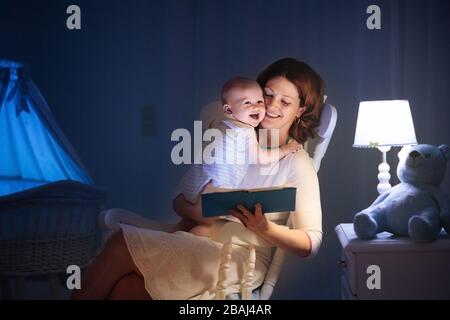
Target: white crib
{"x": 45, "y": 229}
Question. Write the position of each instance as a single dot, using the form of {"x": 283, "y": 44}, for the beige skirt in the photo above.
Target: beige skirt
{"x": 181, "y": 266}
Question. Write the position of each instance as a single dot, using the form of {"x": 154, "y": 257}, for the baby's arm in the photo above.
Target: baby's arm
{"x": 266, "y": 156}
{"x": 187, "y": 210}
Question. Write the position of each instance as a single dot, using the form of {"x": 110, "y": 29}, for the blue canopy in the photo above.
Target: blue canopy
{"x": 33, "y": 148}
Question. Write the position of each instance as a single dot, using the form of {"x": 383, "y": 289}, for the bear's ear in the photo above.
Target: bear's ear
{"x": 404, "y": 151}
{"x": 445, "y": 151}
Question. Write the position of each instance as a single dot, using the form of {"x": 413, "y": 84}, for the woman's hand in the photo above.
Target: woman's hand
{"x": 255, "y": 222}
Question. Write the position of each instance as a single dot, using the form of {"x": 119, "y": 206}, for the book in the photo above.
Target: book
{"x": 271, "y": 199}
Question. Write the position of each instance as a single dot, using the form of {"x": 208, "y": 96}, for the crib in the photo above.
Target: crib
{"x": 48, "y": 203}
{"x": 45, "y": 229}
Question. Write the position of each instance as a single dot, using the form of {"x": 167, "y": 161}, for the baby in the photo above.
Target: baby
{"x": 244, "y": 109}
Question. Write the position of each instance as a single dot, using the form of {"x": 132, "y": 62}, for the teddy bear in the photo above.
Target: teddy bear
{"x": 416, "y": 207}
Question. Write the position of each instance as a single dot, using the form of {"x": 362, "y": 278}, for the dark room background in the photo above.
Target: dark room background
{"x": 161, "y": 61}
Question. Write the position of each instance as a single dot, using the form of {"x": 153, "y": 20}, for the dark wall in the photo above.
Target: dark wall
{"x": 174, "y": 56}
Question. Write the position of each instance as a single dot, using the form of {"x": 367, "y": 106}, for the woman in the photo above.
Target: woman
{"x": 138, "y": 264}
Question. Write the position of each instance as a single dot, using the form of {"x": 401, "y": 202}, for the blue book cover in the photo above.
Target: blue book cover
{"x": 271, "y": 200}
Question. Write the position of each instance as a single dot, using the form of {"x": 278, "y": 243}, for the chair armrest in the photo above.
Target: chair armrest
{"x": 112, "y": 218}
{"x": 272, "y": 274}
{"x": 266, "y": 291}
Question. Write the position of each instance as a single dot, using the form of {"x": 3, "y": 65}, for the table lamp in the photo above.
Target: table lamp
{"x": 382, "y": 125}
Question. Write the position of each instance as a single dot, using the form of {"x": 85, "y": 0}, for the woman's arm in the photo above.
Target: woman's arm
{"x": 296, "y": 242}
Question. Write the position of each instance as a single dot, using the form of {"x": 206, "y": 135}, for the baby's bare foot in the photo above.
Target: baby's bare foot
{"x": 201, "y": 230}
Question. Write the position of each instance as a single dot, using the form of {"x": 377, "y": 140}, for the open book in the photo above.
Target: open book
{"x": 271, "y": 200}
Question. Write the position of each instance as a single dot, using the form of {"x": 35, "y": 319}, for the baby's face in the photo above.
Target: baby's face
{"x": 247, "y": 105}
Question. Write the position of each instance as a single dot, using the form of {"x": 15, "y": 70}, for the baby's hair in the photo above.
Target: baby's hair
{"x": 236, "y": 82}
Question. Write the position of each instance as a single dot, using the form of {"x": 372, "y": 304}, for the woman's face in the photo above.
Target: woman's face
{"x": 282, "y": 104}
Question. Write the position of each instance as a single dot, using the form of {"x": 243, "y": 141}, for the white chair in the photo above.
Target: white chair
{"x": 232, "y": 232}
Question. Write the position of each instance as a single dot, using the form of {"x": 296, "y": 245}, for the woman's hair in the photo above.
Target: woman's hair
{"x": 310, "y": 88}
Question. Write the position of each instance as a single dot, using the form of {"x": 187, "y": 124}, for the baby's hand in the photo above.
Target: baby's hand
{"x": 291, "y": 147}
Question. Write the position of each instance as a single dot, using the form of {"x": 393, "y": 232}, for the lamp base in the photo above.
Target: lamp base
{"x": 384, "y": 175}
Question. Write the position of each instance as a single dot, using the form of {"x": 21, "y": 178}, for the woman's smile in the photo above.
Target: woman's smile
{"x": 271, "y": 115}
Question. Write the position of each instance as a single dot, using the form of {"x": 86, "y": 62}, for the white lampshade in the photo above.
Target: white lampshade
{"x": 384, "y": 123}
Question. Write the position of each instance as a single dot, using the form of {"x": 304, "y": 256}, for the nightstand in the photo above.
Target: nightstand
{"x": 390, "y": 267}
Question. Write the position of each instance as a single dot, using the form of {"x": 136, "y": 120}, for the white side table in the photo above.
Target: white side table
{"x": 390, "y": 267}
